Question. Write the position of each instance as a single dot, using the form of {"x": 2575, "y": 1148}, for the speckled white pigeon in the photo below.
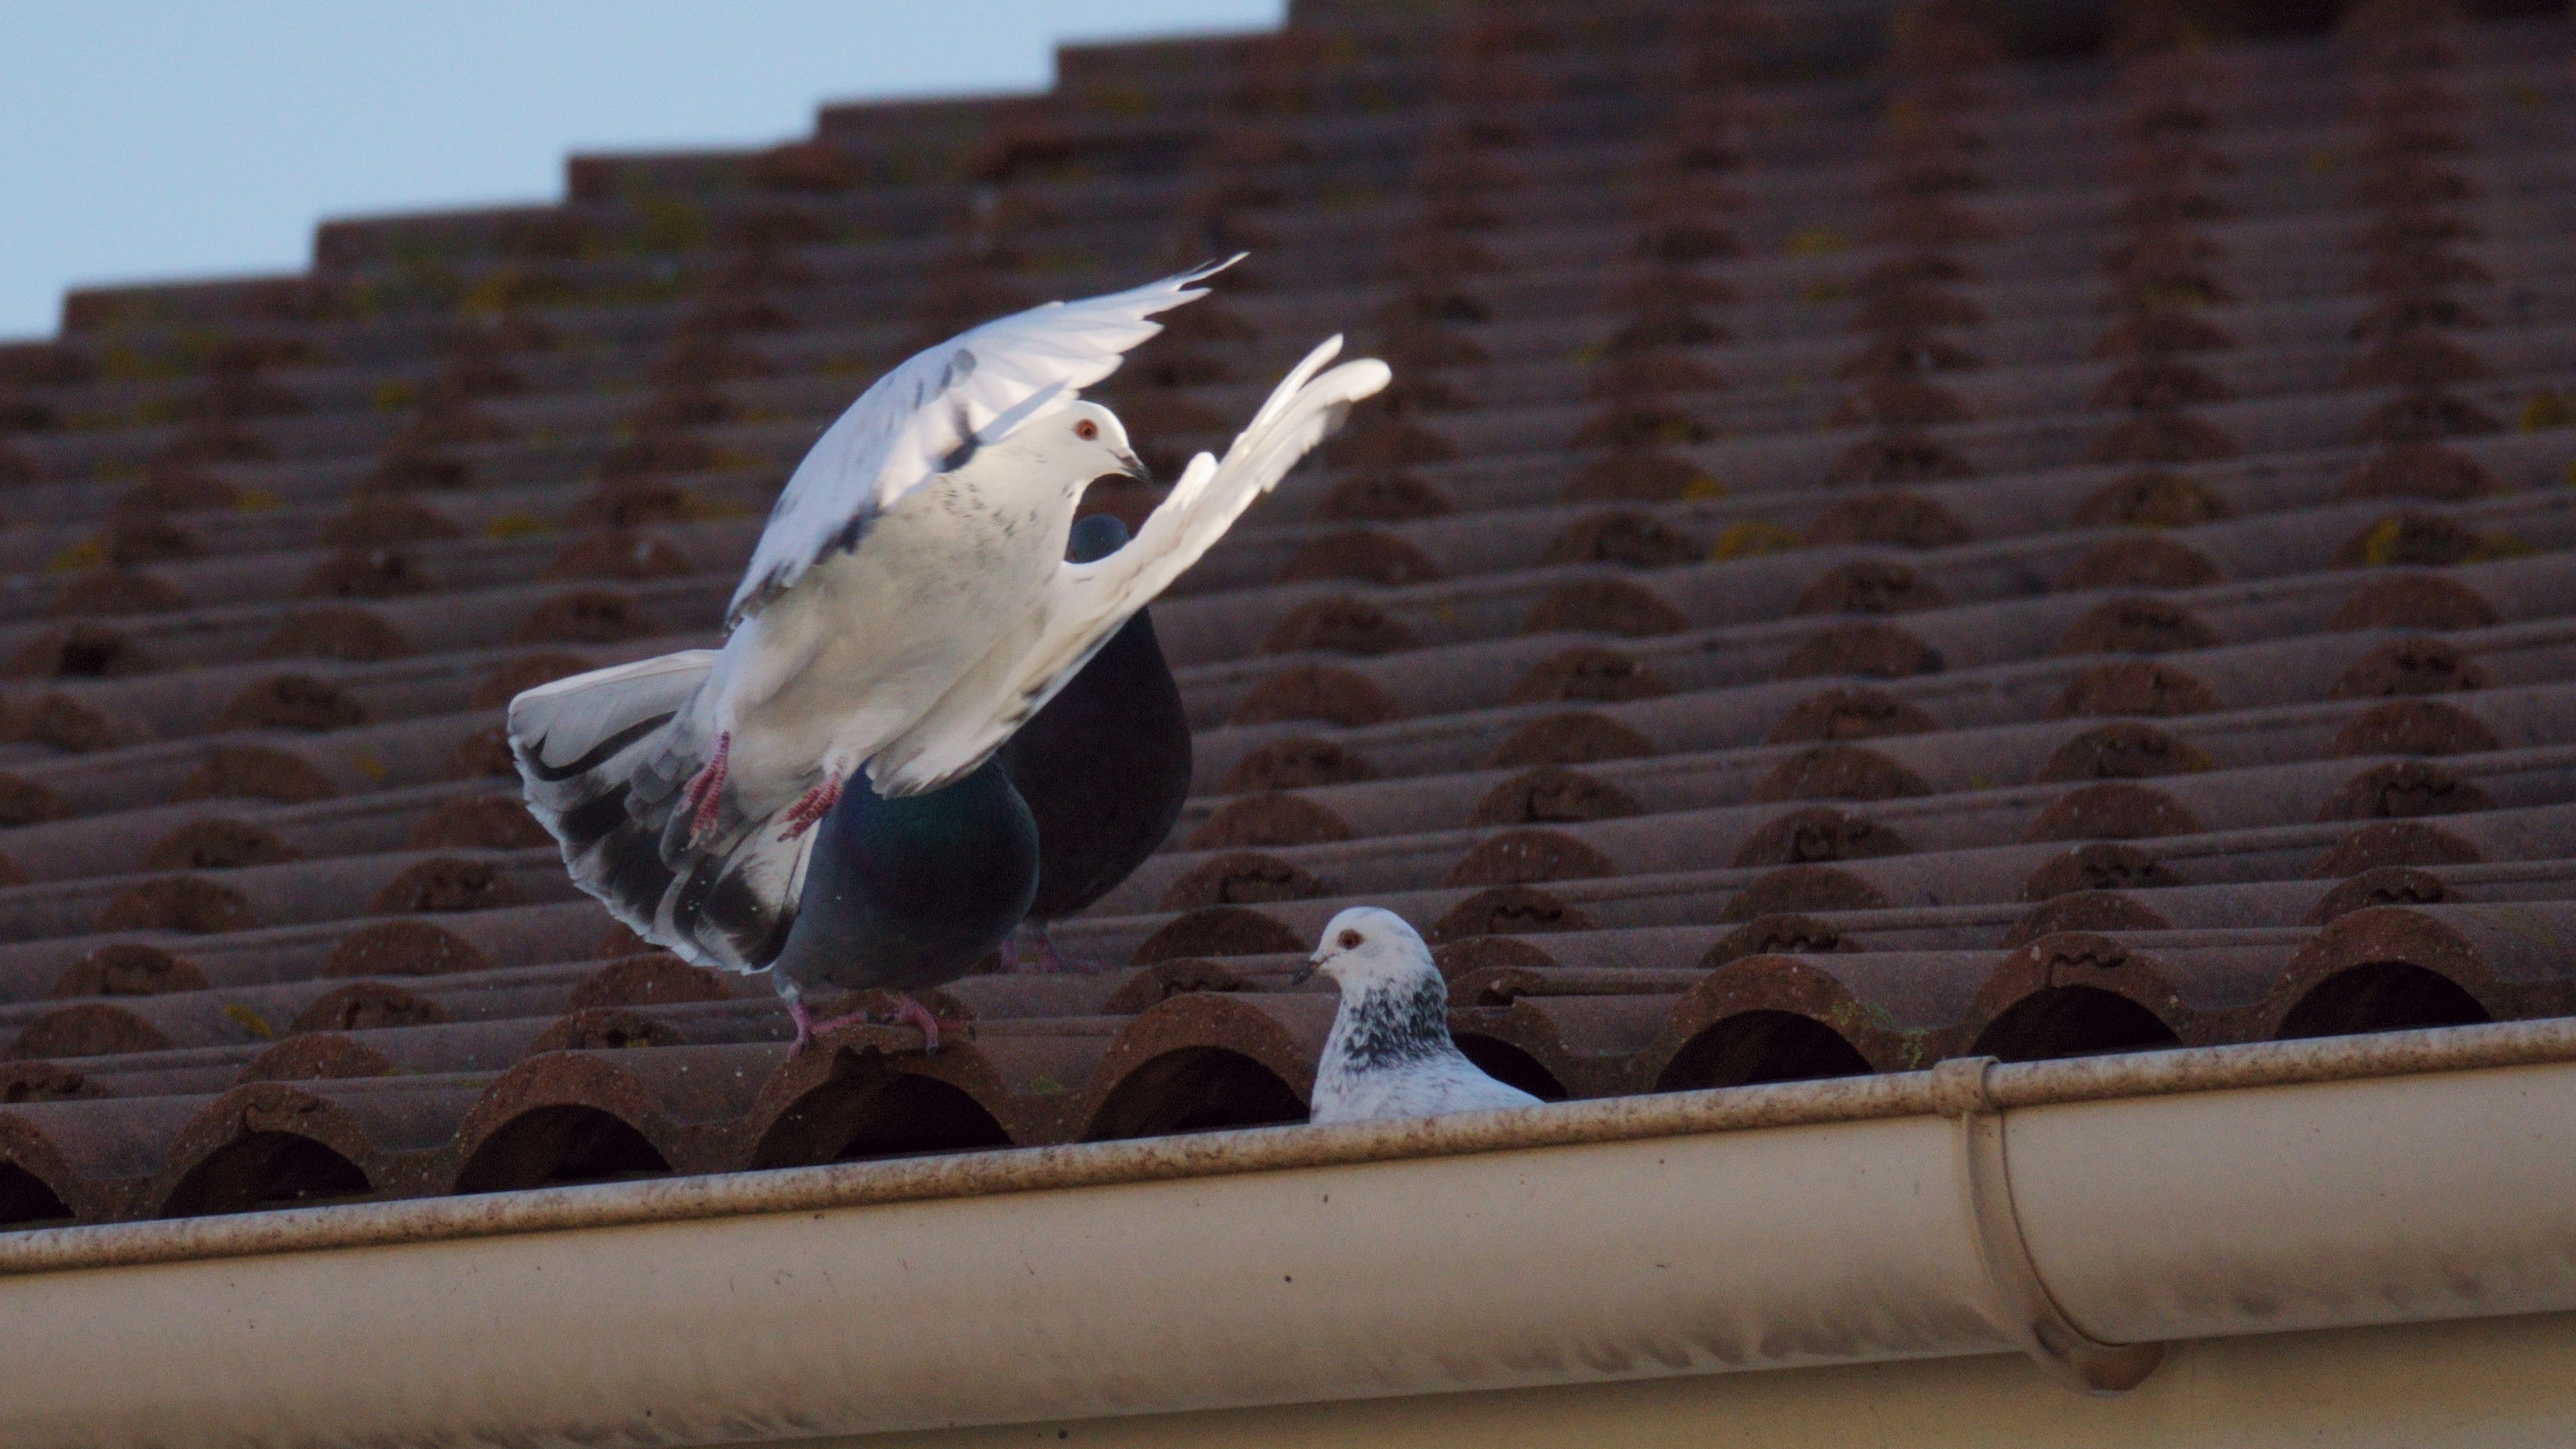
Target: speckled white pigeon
{"x": 908, "y": 606}
{"x": 1390, "y": 1053}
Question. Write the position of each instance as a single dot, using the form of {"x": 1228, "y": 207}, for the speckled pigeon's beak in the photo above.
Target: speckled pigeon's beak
{"x": 1307, "y": 970}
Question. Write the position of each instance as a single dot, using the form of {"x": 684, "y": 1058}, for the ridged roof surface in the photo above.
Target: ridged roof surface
{"x": 1897, "y": 534}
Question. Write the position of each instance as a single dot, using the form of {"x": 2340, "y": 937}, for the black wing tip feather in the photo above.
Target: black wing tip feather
{"x": 532, "y": 756}
{"x": 773, "y": 583}
{"x": 1186, "y": 286}
{"x": 956, "y": 458}
{"x": 1207, "y": 269}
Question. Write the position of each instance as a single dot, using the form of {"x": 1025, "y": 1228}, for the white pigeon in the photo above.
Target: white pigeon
{"x": 907, "y": 608}
{"x": 1390, "y": 1054}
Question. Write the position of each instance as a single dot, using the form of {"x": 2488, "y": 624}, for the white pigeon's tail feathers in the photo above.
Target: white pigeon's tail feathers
{"x": 606, "y": 759}
{"x": 1088, "y": 603}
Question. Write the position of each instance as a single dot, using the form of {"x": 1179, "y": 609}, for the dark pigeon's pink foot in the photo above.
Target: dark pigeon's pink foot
{"x": 906, "y": 1010}
{"x": 1049, "y": 959}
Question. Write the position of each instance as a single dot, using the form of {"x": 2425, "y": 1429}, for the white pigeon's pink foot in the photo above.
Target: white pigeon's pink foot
{"x": 706, "y": 790}
{"x": 813, "y": 805}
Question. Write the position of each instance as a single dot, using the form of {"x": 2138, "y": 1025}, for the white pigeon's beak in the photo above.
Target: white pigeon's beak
{"x": 1134, "y": 467}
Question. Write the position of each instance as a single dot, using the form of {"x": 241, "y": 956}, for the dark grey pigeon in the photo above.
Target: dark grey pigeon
{"x": 909, "y": 893}
{"x": 1105, "y": 766}
{"x": 905, "y": 894}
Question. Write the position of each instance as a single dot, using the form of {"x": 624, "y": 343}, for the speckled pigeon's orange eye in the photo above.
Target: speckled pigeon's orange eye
{"x": 1350, "y": 940}
{"x": 1086, "y": 430}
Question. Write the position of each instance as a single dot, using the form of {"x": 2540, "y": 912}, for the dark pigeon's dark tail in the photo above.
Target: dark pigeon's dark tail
{"x": 1105, "y": 767}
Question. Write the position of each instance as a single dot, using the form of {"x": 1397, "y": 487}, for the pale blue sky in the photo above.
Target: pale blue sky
{"x": 146, "y": 141}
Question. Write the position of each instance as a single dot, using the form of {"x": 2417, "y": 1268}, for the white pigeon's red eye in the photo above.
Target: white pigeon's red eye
{"x": 1086, "y": 430}
{"x": 1350, "y": 940}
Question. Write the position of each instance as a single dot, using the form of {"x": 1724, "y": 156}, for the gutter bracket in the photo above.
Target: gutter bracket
{"x": 2028, "y": 1314}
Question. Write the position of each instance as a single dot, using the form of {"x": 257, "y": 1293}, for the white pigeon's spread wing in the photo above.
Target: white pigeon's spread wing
{"x": 922, "y": 418}
{"x": 1087, "y": 603}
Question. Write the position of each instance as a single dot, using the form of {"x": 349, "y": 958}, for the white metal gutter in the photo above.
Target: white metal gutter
{"x": 2083, "y": 1212}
